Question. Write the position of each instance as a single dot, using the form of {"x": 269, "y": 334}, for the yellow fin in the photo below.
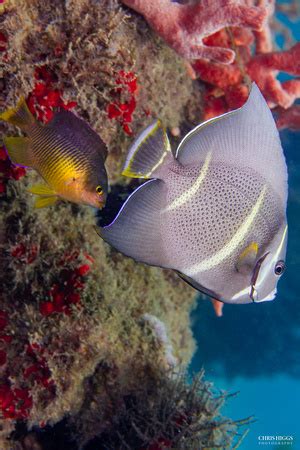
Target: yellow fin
{"x": 247, "y": 258}
{"x": 42, "y": 190}
{"x": 20, "y": 115}
{"x": 42, "y": 202}
{"x": 18, "y": 150}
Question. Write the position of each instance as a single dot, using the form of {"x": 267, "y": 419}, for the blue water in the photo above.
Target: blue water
{"x": 255, "y": 349}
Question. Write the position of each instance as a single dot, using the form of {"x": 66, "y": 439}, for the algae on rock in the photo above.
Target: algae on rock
{"x": 86, "y": 44}
{"x": 74, "y": 311}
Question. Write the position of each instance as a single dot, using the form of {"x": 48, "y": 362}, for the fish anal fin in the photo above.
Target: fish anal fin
{"x": 247, "y": 259}
{"x": 148, "y": 152}
{"x": 42, "y": 189}
{"x": 136, "y": 231}
{"x": 18, "y": 149}
{"x": 43, "y": 202}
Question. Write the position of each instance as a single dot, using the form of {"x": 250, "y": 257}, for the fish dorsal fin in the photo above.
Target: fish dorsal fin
{"x": 70, "y": 126}
{"x": 148, "y": 152}
{"x": 246, "y": 137}
{"x": 136, "y": 231}
{"x": 247, "y": 259}
{"x": 18, "y": 149}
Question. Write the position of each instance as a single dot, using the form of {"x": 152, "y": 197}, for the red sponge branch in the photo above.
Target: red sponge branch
{"x": 184, "y": 27}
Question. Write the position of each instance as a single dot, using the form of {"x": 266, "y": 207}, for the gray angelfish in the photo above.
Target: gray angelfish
{"x": 215, "y": 211}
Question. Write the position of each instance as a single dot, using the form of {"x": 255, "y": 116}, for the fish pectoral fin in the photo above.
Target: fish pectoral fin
{"x": 43, "y": 190}
{"x": 137, "y": 231}
{"x": 247, "y": 259}
{"x": 148, "y": 152}
{"x": 18, "y": 150}
{"x": 42, "y": 202}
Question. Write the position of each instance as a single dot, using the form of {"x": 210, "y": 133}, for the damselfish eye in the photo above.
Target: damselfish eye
{"x": 99, "y": 190}
{"x": 279, "y": 268}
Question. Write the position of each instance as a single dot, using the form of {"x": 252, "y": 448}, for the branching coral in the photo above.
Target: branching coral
{"x": 165, "y": 413}
{"x": 263, "y": 69}
{"x": 231, "y": 83}
{"x": 228, "y": 85}
{"x": 289, "y": 118}
{"x": 185, "y": 26}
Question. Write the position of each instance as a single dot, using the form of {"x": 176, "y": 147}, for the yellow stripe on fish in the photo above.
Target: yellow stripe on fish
{"x": 187, "y": 195}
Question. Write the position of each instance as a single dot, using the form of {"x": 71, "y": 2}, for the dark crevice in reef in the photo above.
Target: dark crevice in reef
{"x": 116, "y": 198}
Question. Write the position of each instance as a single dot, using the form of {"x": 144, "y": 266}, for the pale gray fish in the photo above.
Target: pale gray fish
{"x": 215, "y": 210}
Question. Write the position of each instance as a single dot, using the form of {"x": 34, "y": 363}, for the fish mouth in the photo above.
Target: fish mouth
{"x": 253, "y": 292}
{"x": 101, "y": 202}
{"x": 100, "y": 205}
{"x": 268, "y": 298}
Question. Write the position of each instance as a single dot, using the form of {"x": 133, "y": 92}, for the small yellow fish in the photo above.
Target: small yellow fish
{"x": 66, "y": 152}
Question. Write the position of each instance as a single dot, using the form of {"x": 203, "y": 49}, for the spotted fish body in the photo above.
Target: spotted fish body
{"x": 67, "y": 153}
{"x": 214, "y": 211}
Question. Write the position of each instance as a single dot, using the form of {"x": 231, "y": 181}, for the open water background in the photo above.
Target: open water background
{"x": 255, "y": 349}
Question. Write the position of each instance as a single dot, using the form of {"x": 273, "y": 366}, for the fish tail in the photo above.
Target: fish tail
{"x": 19, "y": 115}
{"x": 148, "y": 153}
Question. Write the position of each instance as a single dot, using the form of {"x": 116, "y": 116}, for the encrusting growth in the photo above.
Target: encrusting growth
{"x": 184, "y": 27}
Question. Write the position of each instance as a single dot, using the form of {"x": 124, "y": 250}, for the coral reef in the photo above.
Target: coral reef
{"x": 227, "y": 86}
{"x": 185, "y": 26}
{"x": 70, "y": 308}
{"x": 87, "y": 62}
{"x": 90, "y": 341}
{"x": 166, "y": 413}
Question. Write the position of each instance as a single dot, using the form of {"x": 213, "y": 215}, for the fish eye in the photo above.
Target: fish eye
{"x": 99, "y": 190}
{"x": 279, "y": 268}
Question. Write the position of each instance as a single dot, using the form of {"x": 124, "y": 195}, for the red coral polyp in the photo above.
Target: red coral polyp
{"x": 8, "y": 171}
{"x": 47, "y": 308}
{"x": 3, "y": 357}
{"x": 3, "y": 42}
{"x": 82, "y": 270}
{"x": 65, "y": 292}
{"x": 113, "y": 111}
{"x": 119, "y": 109}
{"x": 15, "y": 403}
{"x": 3, "y": 320}
{"x": 128, "y": 79}
{"x": 25, "y": 253}
{"x": 44, "y": 97}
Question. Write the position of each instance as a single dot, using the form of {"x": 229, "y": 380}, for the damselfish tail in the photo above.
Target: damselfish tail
{"x": 20, "y": 115}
